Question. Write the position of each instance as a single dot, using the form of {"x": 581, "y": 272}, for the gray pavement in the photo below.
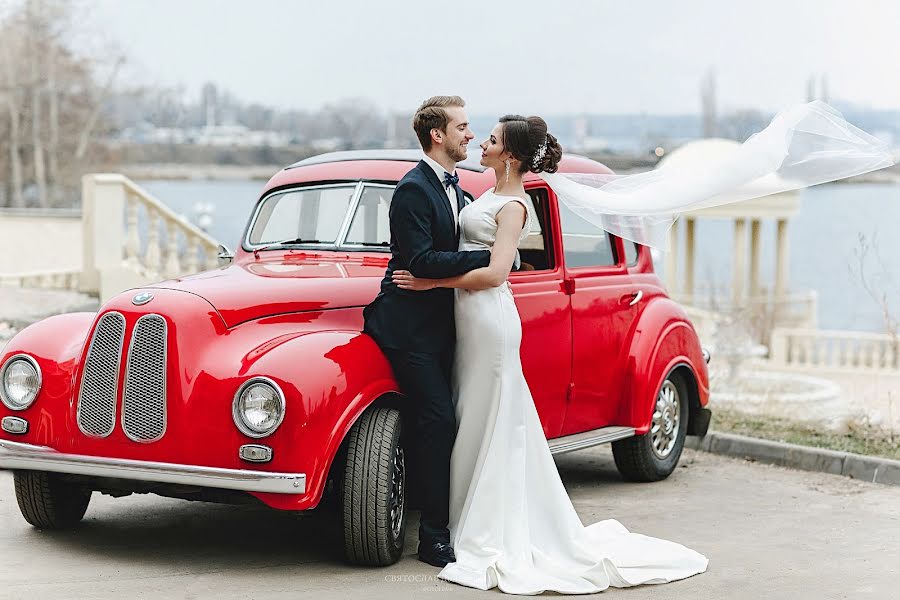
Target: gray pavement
{"x": 19, "y": 307}
{"x": 769, "y": 532}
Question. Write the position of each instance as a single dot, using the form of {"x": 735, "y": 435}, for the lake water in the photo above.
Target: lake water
{"x": 823, "y": 239}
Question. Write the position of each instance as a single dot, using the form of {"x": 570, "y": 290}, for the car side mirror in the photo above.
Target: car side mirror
{"x": 224, "y": 256}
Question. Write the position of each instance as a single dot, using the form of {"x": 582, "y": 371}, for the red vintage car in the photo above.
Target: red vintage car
{"x": 253, "y": 381}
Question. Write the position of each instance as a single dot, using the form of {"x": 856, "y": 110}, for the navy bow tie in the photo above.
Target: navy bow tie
{"x": 450, "y": 180}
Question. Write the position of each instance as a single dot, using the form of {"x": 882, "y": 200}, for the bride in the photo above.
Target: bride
{"x": 511, "y": 520}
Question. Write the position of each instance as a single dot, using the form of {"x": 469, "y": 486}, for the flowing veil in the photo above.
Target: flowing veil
{"x": 804, "y": 145}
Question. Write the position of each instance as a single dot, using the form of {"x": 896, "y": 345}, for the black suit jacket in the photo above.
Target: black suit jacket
{"x": 425, "y": 243}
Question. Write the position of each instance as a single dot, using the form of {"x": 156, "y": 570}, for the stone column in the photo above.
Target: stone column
{"x": 782, "y": 258}
{"x": 103, "y": 236}
{"x": 689, "y": 226}
{"x": 739, "y": 271}
{"x": 755, "y": 227}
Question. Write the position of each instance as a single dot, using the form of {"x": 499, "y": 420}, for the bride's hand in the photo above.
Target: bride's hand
{"x": 406, "y": 281}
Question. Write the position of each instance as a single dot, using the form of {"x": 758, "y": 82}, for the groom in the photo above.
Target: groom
{"x": 416, "y": 330}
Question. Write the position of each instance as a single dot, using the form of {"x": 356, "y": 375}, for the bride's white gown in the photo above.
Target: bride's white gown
{"x": 512, "y": 524}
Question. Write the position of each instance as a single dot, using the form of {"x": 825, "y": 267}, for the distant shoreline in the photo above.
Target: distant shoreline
{"x": 214, "y": 172}
{"x": 199, "y": 172}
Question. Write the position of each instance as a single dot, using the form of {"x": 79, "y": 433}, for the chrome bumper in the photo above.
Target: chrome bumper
{"x": 15, "y": 455}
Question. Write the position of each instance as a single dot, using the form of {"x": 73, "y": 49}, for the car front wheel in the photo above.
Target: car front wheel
{"x": 654, "y": 455}
{"x": 49, "y": 502}
{"x": 374, "y": 489}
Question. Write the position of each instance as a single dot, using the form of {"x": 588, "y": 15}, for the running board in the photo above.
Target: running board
{"x": 595, "y": 437}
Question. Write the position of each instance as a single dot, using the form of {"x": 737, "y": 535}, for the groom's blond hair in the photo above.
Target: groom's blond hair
{"x": 431, "y": 115}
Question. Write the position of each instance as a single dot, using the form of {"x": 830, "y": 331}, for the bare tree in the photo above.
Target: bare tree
{"x": 53, "y": 104}
{"x": 34, "y": 23}
{"x": 102, "y": 94}
{"x": 9, "y": 50}
{"x": 877, "y": 286}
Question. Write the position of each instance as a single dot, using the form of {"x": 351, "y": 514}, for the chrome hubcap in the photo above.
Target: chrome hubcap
{"x": 666, "y": 418}
{"x": 398, "y": 485}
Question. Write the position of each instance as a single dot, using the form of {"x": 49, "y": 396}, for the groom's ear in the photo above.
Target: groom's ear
{"x": 437, "y": 136}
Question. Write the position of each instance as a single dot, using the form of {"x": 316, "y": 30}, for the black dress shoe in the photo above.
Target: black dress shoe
{"x": 437, "y": 554}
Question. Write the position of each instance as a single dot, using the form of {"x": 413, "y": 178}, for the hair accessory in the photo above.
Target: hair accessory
{"x": 539, "y": 155}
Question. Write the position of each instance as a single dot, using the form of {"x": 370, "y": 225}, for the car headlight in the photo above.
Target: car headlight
{"x": 258, "y": 407}
{"x": 20, "y": 382}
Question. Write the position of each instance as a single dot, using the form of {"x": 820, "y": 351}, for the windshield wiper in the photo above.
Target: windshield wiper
{"x": 374, "y": 244}
{"x": 289, "y": 242}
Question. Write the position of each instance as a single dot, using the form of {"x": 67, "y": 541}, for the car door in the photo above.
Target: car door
{"x": 543, "y": 307}
{"x": 604, "y": 305}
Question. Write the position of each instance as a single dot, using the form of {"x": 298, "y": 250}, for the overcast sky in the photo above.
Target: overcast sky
{"x": 598, "y": 56}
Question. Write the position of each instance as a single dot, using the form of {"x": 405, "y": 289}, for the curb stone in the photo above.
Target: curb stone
{"x": 806, "y": 458}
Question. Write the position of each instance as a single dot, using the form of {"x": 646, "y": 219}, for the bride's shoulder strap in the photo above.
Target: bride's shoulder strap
{"x": 525, "y": 204}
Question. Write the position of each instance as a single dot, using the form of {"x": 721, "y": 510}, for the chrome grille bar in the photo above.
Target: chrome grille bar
{"x": 97, "y": 396}
{"x": 144, "y": 397}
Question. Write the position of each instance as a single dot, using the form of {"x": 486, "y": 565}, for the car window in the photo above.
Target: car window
{"x": 309, "y": 214}
{"x": 533, "y": 250}
{"x": 584, "y": 244}
{"x": 370, "y": 224}
{"x": 631, "y": 252}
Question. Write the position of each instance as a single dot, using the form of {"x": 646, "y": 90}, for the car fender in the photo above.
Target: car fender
{"x": 664, "y": 340}
{"x": 55, "y": 343}
{"x": 329, "y": 378}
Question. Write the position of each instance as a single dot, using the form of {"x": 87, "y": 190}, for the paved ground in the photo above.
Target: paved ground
{"x": 769, "y": 533}
{"x": 21, "y": 306}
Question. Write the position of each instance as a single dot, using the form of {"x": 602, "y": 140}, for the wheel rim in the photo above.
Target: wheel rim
{"x": 398, "y": 483}
{"x": 666, "y": 419}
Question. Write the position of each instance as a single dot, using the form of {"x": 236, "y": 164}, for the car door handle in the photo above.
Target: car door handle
{"x": 632, "y": 299}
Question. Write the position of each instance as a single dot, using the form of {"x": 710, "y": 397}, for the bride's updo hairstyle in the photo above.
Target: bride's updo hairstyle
{"x": 526, "y": 138}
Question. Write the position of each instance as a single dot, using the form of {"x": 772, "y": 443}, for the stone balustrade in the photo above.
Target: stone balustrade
{"x": 130, "y": 238}
{"x": 58, "y": 280}
{"x": 812, "y": 349}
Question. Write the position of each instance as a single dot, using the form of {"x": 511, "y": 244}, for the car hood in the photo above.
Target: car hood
{"x": 287, "y": 284}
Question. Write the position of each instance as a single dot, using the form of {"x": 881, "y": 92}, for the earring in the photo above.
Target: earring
{"x": 507, "y": 170}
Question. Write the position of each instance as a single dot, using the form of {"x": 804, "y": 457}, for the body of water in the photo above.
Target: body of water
{"x": 824, "y": 240}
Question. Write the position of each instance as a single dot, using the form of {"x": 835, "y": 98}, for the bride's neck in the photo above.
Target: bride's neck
{"x": 512, "y": 186}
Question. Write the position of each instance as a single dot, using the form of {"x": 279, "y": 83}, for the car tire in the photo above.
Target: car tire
{"x": 654, "y": 455}
{"x": 47, "y": 501}
{"x": 373, "y": 491}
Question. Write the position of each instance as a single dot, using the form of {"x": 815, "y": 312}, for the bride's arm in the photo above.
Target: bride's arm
{"x": 510, "y": 220}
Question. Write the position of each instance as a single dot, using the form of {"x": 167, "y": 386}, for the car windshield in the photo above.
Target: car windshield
{"x": 314, "y": 214}
{"x": 371, "y": 226}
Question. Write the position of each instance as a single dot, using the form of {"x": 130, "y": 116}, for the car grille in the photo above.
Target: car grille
{"x": 144, "y": 396}
{"x": 144, "y": 400}
{"x": 97, "y": 398}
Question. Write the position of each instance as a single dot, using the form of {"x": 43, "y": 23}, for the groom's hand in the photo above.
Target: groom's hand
{"x": 407, "y": 281}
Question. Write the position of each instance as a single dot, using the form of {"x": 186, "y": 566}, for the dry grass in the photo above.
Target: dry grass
{"x": 859, "y": 439}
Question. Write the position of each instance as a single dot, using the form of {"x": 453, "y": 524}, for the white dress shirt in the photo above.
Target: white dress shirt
{"x": 451, "y": 191}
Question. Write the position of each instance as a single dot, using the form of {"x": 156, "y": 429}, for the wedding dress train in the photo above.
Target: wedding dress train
{"x": 511, "y": 521}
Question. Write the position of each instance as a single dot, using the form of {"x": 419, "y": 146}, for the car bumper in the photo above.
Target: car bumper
{"x": 18, "y": 456}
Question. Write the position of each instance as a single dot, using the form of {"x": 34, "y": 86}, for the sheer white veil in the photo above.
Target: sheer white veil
{"x": 804, "y": 145}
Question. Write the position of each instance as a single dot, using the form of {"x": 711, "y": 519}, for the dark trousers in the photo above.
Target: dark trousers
{"x": 425, "y": 379}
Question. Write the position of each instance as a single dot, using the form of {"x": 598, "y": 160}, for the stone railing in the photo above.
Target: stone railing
{"x": 793, "y": 309}
{"x": 812, "y": 349}
{"x": 37, "y": 247}
{"x": 58, "y": 280}
{"x": 130, "y": 238}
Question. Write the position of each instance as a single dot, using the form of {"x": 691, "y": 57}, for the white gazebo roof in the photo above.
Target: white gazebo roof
{"x": 778, "y": 206}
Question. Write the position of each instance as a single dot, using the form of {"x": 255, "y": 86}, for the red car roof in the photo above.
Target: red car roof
{"x": 392, "y": 165}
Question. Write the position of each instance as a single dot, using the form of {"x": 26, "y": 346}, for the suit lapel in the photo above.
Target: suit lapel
{"x": 431, "y": 176}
